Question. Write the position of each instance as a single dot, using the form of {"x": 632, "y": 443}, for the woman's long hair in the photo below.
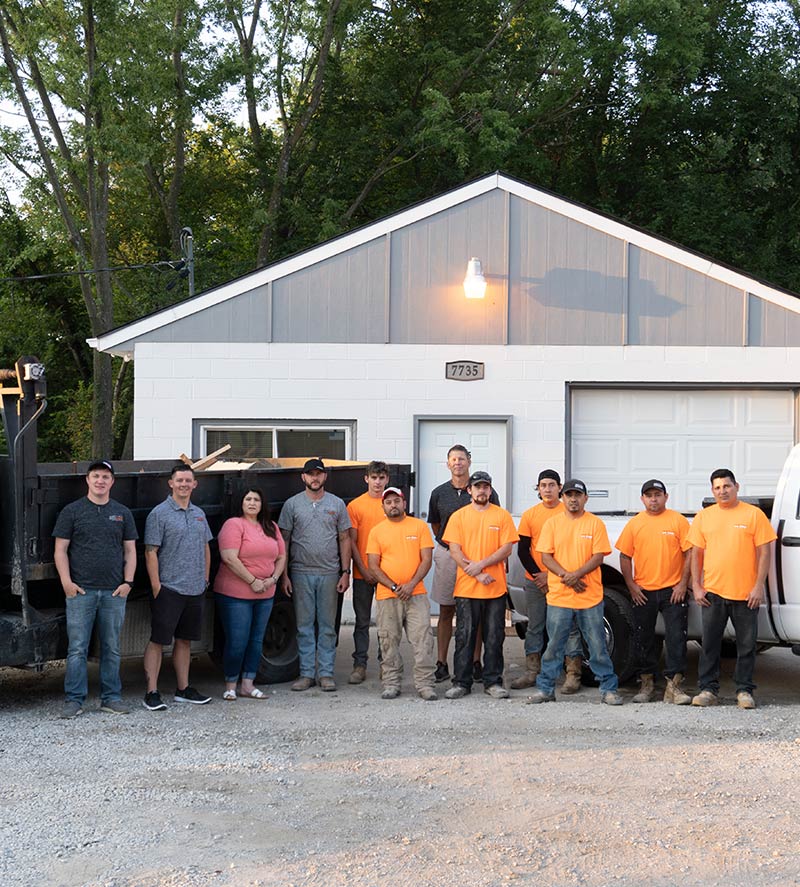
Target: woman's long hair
{"x": 264, "y": 516}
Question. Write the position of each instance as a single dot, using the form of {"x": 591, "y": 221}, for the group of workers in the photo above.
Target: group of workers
{"x": 317, "y": 540}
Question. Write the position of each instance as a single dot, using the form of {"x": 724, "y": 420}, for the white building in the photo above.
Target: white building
{"x": 598, "y": 349}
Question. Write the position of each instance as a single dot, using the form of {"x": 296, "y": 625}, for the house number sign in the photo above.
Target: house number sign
{"x": 463, "y": 370}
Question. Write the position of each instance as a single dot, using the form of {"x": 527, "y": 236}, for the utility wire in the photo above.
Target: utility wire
{"x": 173, "y": 266}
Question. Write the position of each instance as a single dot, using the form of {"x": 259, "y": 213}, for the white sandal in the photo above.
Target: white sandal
{"x": 255, "y": 693}
{"x": 229, "y": 695}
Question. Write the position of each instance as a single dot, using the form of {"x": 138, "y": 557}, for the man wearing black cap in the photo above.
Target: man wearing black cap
{"x": 95, "y": 555}
{"x": 655, "y": 557}
{"x": 481, "y": 537}
{"x": 573, "y": 545}
{"x": 316, "y": 528}
{"x": 548, "y": 487}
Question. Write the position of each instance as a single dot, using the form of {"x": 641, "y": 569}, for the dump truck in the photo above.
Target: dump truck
{"x": 32, "y": 616}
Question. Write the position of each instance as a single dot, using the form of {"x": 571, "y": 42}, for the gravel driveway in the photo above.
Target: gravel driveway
{"x": 346, "y": 790}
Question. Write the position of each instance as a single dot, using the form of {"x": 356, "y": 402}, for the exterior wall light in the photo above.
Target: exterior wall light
{"x": 474, "y": 282}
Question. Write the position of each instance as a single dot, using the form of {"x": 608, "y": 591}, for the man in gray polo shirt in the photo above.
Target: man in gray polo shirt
{"x": 315, "y": 525}
{"x": 178, "y": 560}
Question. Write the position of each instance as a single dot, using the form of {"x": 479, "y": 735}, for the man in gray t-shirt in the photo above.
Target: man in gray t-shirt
{"x": 178, "y": 560}
{"x": 315, "y": 525}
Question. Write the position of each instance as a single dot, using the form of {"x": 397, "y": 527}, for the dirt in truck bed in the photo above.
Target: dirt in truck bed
{"x": 346, "y": 790}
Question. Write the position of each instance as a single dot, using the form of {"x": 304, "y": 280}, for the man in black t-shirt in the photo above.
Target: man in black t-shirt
{"x": 445, "y": 500}
{"x": 95, "y": 555}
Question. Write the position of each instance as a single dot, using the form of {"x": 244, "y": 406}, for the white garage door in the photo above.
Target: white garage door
{"x": 620, "y": 438}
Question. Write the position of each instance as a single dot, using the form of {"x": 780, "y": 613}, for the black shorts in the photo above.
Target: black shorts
{"x": 176, "y": 616}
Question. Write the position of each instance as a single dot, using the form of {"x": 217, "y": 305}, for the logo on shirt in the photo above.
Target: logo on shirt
{"x": 586, "y": 536}
{"x": 202, "y": 520}
{"x": 740, "y": 527}
{"x": 496, "y": 529}
{"x": 412, "y": 538}
{"x": 667, "y": 533}
{"x": 116, "y": 517}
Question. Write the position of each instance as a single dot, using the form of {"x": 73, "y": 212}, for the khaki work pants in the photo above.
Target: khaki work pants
{"x": 392, "y": 616}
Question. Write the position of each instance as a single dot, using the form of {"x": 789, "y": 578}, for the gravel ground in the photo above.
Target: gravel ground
{"x": 346, "y": 790}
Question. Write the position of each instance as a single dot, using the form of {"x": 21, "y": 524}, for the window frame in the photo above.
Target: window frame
{"x": 200, "y": 427}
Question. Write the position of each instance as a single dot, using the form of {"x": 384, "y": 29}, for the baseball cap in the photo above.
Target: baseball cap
{"x": 392, "y": 491}
{"x": 574, "y": 484}
{"x": 100, "y": 465}
{"x": 653, "y": 484}
{"x": 314, "y": 465}
{"x": 549, "y": 474}
{"x": 478, "y": 477}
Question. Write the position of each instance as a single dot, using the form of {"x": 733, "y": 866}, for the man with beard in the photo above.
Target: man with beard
{"x": 316, "y": 528}
{"x": 481, "y": 537}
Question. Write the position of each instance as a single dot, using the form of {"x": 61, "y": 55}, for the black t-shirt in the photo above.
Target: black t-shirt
{"x": 96, "y": 534}
{"x": 445, "y": 501}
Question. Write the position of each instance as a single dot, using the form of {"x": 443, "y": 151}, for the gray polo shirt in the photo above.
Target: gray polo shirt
{"x": 181, "y": 536}
{"x": 314, "y": 526}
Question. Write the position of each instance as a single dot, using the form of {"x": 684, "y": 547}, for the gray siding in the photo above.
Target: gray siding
{"x": 429, "y": 261}
{"x": 673, "y": 305}
{"x": 770, "y": 325}
{"x": 567, "y": 280}
{"x": 338, "y": 300}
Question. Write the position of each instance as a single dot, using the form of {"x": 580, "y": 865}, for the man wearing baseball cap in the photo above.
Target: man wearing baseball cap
{"x": 399, "y": 555}
{"x": 95, "y": 555}
{"x": 481, "y": 536}
{"x": 316, "y": 529}
{"x": 573, "y": 545}
{"x": 548, "y": 486}
{"x": 655, "y": 561}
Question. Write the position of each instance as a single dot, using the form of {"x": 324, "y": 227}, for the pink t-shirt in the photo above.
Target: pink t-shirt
{"x": 257, "y": 551}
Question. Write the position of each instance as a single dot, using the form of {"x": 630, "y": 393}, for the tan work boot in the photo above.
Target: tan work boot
{"x": 745, "y": 699}
{"x": 674, "y": 693}
{"x": 358, "y": 676}
{"x": 705, "y": 698}
{"x": 533, "y": 664}
{"x": 646, "y": 690}
{"x": 573, "y": 666}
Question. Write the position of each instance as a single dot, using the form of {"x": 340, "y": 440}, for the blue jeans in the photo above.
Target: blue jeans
{"x": 745, "y": 625}
{"x": 244, "y": 622}
{"x": 491, "y": 615}
{"x": 590, "y": 624}
{"x": 315, "y": 599}
{"x": 536, "y": 605}
{"x": 83, "y": 611}
{"x": 363, "y": 593}
{"x": 644, "y": 633}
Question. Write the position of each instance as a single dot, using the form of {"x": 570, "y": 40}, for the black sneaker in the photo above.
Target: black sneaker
{"x": 442, "y": 672}
{"x": 189, "y": 694}
{"x": 153, "y": 701}
{"x": 477, "y": 672}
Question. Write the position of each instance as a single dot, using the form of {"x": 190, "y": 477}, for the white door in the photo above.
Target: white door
{"x": 620, "y": 438}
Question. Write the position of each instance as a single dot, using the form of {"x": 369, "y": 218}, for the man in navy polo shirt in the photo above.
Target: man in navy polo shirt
{"x": 95, "y": 555}
{"x": 178, "y": 560}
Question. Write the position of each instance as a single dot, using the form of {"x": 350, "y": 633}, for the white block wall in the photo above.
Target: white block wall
{"x": 383, "y": 387}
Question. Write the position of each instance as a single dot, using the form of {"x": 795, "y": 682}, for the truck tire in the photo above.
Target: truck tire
{"x": 618, "y": 620}
{"x": 280, "y": 661}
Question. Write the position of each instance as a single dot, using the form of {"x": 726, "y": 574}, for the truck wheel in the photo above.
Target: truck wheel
{"x": 279, "y": 658}
{"x": 618, "y": 621}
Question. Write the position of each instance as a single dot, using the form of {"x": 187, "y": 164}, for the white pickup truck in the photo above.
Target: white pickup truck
{"x": 779, "y": 617}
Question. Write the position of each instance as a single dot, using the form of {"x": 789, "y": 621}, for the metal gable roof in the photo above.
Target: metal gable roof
{"x": 111, "y": 340}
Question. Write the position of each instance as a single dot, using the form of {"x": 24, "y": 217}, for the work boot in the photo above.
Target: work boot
{"x": 745, "y": 699}
{"x": 359, "y": 675}
{"x": 533, "y": 663}
{"x": 705, "y": 698}
{"x": 573, "y": 666}
{"x": 539, "y": 696}
{"x": 674, "y": 693}
{"x": 646, "y": 689}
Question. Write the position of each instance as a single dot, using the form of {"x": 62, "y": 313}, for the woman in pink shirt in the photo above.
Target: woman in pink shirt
{"x": 253, "y": 557}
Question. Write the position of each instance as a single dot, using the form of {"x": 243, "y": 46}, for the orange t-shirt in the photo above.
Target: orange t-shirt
{"x": 365, "y": 512}
{"x": 572, "y": 541}
{"x": 531, "y": 523}
{"x": 729, "y": 538}
{"x": 657, "y": 543}
{"x": 481, "y": 533}
{"x": 398, "y": 544}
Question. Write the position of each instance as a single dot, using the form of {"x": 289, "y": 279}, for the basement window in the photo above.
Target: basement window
{"x": 253, "y": 440}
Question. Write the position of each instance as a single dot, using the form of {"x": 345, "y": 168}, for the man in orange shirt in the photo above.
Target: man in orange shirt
{"x": 730, "y": 559}
{"x": 399, "y": 554}
{"x": 655, "y": 560}
{"x": 481, "y": 536}
{"x": 548, "y": 487}
{"x": 365, "y": 512}
{"x": 573, "y": 545}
